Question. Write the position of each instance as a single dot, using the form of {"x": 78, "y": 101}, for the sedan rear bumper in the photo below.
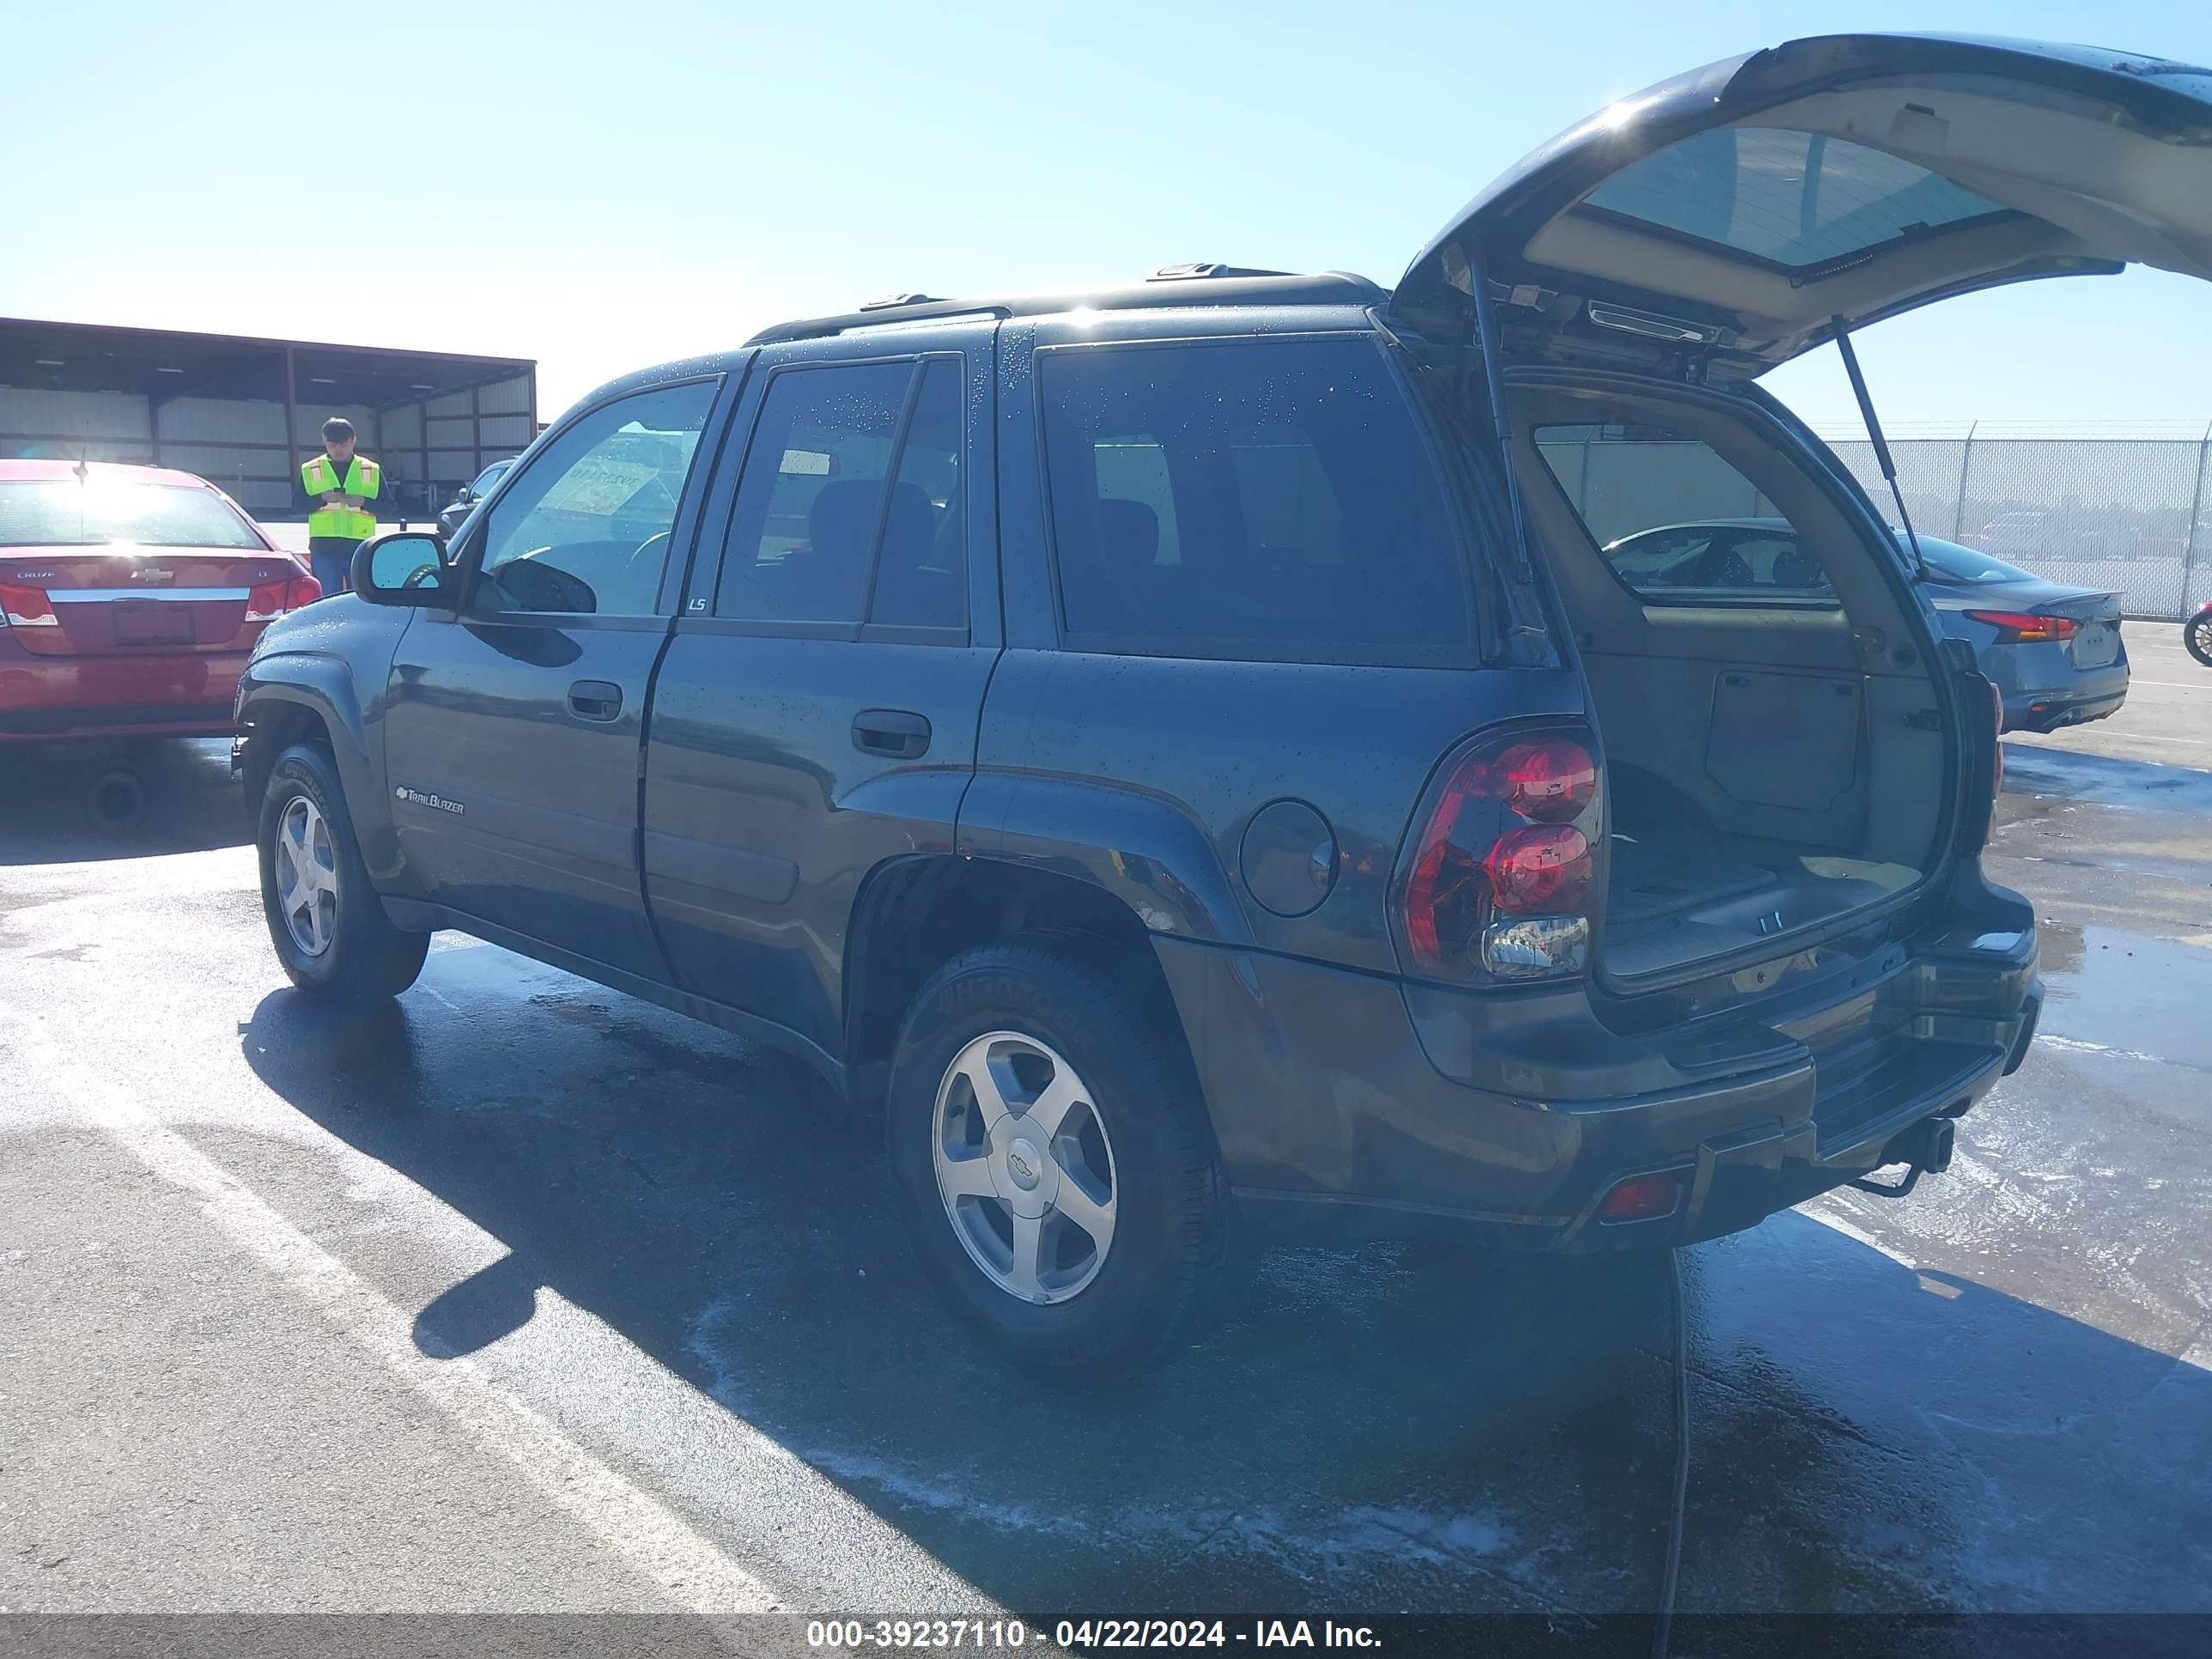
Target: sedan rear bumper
{"x": 151, "y": 695}
{"x": 2049, "y": 711}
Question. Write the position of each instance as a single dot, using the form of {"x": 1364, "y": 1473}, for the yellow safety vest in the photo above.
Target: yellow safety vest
{"x": 364, "y": 478}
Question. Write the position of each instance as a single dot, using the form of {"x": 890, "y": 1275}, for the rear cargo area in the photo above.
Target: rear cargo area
{"x": 1773, "y": 757}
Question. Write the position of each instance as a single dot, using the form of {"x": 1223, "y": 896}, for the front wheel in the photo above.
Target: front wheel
{"x": 2196, "y": 634}
{"x": 329, "y": 929}
{"x": 1055, "y": 1164}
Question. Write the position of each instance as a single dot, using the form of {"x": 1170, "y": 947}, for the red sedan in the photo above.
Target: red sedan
{"x": 129, "y": 596}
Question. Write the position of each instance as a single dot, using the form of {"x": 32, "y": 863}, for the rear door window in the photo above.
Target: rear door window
{"x": 811, "y": 495}
{"x": 1677, "y": 522}
{"x": 1252, "y": 500}
{"x": 851, "y": 505}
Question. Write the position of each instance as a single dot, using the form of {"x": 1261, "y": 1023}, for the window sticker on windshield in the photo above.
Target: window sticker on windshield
{"x": 599, "y": 486}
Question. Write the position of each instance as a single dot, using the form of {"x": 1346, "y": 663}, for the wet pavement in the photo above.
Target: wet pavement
{"x": 524, "y": 1293}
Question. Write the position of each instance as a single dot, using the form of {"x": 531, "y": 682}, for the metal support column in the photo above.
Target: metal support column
{"x": 1966, "y": 453}
{"x": 291, "y": 424}
{"x": 2193, "y": 534}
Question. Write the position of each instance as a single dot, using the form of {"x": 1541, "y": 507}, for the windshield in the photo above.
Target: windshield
{"x": 63, "y": 513}
{"x": 1950, "y": 563}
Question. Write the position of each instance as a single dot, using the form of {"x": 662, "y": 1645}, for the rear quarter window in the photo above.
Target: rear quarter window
{"x": 1676, "y": 522}
{"x": 1271, "y": 501}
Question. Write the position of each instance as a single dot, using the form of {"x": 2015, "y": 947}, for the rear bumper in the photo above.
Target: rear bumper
{"x": 2049, "y": 711}
{"x": 171, "y": 695}
{"x": 1349, "y": 1106}
{"x": 2066, "y": 695}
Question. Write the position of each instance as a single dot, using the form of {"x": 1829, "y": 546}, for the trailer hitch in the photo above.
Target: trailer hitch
{"x": 1924, "y": 1149}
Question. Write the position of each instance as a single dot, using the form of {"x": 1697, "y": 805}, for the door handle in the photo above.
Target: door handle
{"x": 895, "y": 733}
{"x": 595, "y": 699}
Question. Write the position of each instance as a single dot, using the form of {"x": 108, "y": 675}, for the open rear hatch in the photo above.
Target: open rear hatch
{"x": 1727, "y": 217}
{"x": 1702, "y": 233}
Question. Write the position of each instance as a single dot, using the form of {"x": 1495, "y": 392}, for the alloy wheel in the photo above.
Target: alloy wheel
{"x": 1024, "y": 1167}
{"x": 306, "y": 876}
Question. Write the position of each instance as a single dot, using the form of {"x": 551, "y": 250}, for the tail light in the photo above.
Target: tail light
{"x": 26, "y": 607}
{"x": 1501, "y": 873}
{"x": 272, "y": 599}
{"x": 2025, "y": 627}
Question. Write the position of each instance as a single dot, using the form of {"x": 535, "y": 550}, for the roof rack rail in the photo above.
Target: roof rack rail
{"x": 890, "y": 312}
{"x": 1171, "y": 287}
{"x": 1196, "y": 270}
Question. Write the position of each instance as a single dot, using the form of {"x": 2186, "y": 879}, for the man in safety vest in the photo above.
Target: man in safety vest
{"x": 342, "y": 483}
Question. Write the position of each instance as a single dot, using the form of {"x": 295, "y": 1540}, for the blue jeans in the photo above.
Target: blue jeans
{"x": 329, "y": 558}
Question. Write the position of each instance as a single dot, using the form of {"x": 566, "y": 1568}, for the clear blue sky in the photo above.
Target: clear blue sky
{"x": 601, "y": 186}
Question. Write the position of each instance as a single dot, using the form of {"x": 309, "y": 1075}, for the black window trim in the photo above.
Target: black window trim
{"x": 863, "y": 632}
{"x": 1210, "y": 649}
{"x": 683, "y": 528}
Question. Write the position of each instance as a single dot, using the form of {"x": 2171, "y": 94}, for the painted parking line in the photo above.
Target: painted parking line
{"x": 656, "y": 1541}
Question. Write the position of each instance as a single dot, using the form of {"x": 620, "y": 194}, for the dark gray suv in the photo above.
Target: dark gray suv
{"x": 1187, "y": 759}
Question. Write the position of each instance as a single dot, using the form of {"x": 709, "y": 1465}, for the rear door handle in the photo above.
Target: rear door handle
{"x": 595, "y": 699}
{"x": 895, "y": 733}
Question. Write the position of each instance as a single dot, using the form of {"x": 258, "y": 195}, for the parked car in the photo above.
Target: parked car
{"x": 1171, "y": 757}
{"x": 452, "y": 516}
{"x": 2052, "y": 651}
{"x": 130, "y": 597}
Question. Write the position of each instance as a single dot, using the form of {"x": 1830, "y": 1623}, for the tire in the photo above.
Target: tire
{"x": 1168, "y": 1271}
{"x": 363, "y": 958}
{"x": 2196, "y": 634}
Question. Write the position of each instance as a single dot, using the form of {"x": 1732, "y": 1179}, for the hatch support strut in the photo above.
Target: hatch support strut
{"x": 1493, "y": 371}
{"x": 1880, "y": 444}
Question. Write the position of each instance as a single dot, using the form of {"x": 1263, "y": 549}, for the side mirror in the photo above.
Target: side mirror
{"x": 406, "y": 568}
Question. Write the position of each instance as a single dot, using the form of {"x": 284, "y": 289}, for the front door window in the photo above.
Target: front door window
{"x": 585, "y": 529}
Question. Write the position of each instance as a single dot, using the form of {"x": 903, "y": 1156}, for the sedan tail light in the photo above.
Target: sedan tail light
{"x": 272, "y": 599}
{"x": 26, "y": 607}
{"x": 1500, "y": 877}
{"x": 2025, "y": 628}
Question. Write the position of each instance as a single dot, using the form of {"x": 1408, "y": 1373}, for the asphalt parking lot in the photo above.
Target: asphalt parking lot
{"x": 526, "y": 1295}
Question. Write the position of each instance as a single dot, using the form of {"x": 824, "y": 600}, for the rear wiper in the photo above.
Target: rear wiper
{"x": 1880, "y": 444}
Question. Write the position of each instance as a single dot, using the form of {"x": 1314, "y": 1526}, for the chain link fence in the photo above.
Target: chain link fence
{"x": 2106, "y": 509}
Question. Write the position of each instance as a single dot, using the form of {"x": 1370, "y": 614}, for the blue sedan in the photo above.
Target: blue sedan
{"x": 2053, "y": 652}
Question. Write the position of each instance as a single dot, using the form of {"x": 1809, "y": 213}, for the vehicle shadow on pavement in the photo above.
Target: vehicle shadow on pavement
{"x": 1422, "y": 1429}
{"x": 74, "y": 803}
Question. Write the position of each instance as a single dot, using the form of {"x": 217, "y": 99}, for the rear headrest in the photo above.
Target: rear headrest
{"x": 911, "y": 527}
{"x": 842, "y": 517}
{"x": 1128, "y": 532}
{"x": 1795, "y": 567}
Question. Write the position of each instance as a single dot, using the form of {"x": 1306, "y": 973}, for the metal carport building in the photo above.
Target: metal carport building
{"x": 243, "y": 412}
